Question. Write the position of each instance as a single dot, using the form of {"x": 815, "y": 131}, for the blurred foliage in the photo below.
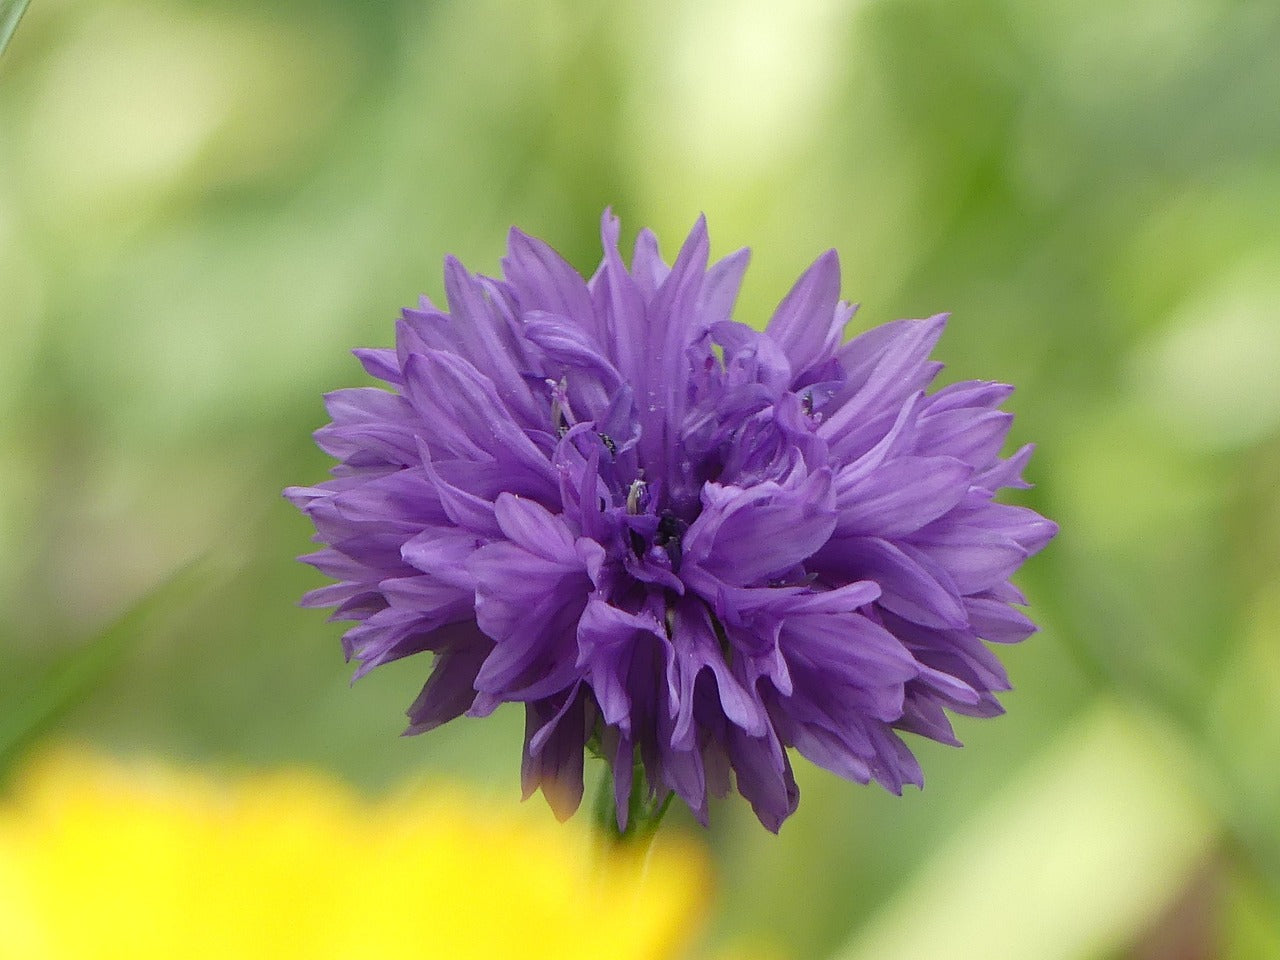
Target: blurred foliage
{"x": 205, "y": 203}
{"x": 11, "y": 12}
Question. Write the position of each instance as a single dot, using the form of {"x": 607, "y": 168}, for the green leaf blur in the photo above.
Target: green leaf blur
{"x": 204, "y": 204}
{"x": 11, "y": 12}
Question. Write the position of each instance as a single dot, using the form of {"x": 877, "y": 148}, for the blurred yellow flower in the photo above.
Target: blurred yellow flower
{"x": 100, "y": 859}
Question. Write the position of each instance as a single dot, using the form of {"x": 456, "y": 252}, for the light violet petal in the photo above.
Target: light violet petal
{"x": 802, "y": 324}
{"x": 902, "y": 496}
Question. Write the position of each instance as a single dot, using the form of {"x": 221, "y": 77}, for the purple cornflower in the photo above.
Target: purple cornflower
{"x": 683, "y": 543}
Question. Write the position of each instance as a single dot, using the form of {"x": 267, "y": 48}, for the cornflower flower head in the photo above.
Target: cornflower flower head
{"x": 684, "y": 543}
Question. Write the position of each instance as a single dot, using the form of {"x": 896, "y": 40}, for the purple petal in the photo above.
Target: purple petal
{"x": 911, "y": 585}
{"x": 995, "y": 621}
{"x": 555, "y": 735}
{"x": 805, "y": 324}
{"x": 745, "y": 536}
{"x": 764, "y": 776}
{"x": 605, "y": 636}
{"x": 720, "y": 289}
{"x": 698, "y": 649}
{"x": 545, "y": 281}
{"x": 885, "y": 367}
{"x": 901, "y": 497}
{"x": 450, "y": 690}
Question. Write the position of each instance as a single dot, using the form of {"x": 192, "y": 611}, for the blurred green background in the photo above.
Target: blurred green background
{"x": 204, "y": 205}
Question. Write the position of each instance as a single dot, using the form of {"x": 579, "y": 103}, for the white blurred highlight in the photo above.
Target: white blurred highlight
{"x": 1209, "y": 375}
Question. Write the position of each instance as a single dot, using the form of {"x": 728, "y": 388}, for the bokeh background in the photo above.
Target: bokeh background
{"x": 204, "y": 205}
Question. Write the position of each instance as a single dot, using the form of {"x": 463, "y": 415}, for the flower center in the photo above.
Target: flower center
{"x": 671, "y": 530}
{"x": 645, "y": 536}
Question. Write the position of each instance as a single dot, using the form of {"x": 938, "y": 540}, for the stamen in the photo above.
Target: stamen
{"x": 637, "y": 497}
{"x": 562, "y": 417}
{"x": 671, "y": 530}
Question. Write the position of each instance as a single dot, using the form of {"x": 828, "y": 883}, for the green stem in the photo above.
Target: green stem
{"x": 11, "y": 12}
{"x": 644, "y": 816}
